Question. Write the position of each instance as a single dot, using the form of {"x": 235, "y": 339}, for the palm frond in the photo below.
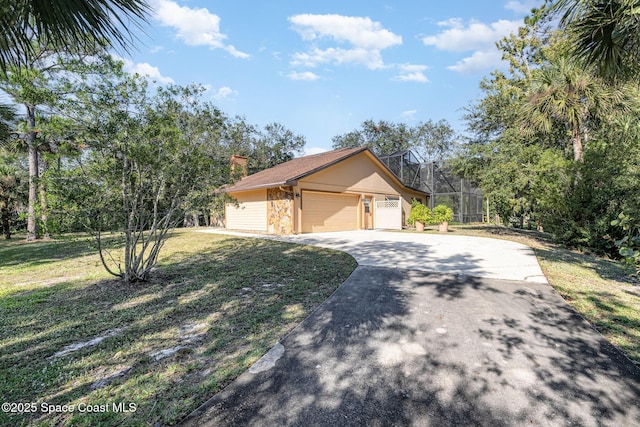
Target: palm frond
{"x": 67, "y": 23}
{"x": 606, "y": 33}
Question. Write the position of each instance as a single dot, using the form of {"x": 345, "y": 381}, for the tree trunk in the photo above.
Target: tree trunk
{"x": 32, "y": 225}
{"x": 5, "y": 218}
{"x": 44, "y": 215}
{"x": 577, "y": 145}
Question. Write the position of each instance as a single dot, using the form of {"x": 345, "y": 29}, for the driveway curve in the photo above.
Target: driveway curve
{"x": 434, "y": 330}
{"x": 436, "y": 253}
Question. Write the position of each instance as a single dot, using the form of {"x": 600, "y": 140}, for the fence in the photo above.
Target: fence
{"x": 388, "y": 214}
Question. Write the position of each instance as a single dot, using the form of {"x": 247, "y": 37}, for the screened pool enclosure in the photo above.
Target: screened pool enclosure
{"x": 444, "y": 187}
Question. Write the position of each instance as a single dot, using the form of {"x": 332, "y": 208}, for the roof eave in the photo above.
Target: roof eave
{"x": 256, "y": 187}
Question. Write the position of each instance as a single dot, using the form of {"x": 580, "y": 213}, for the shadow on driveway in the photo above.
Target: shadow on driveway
{"x": 400, "y": 347}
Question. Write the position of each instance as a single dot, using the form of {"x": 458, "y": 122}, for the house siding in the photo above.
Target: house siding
{"x": 358, "y": 174}
{"x": 250, "y": 213}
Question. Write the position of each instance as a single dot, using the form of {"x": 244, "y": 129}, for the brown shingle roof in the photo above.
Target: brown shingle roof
{"x": 287, "y": 173}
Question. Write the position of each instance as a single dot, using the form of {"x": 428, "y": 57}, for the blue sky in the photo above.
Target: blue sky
{"x": 322, "y": 67}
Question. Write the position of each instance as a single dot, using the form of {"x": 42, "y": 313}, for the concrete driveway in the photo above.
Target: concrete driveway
{"x": 402, "y": 346}
{"x": 434, "y": 253}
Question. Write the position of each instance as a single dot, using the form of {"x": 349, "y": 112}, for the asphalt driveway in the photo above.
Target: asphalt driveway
{"x": 403, "y": 346}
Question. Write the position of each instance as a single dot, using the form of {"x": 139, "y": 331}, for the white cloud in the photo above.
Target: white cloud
{"x": 364, "y": 39}
{"x": 480, "y": 60}
{"x": 306, "y": 75}
{"x": 144, "y": 69}
{"x": 194, "y": 26}
{"x": 360, "y": 32}
{"x": 409, "y": 114}
{"x": 315, "y": 57}
{"x": 475, "y": 36}
{"x": 314, "y": 150}
{"x": 224, "y": 92}
{"x": 412, "y": 73}
{"x": 522, "y": 7}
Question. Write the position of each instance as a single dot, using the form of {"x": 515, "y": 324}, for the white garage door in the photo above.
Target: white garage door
{"x": 329, "y": 212}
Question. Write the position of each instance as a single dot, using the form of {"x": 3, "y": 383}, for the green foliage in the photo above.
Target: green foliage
{"x": 275, "y": 145}
{"x": 265, "y": 148}
{"x": 442, "y": 213}
{"x": 629, "y": 245}
{"x": 431, "y": 140}
{"x": 138, "y": 159}
{"x": 148, "y": 157}
{"x": 605, "y": 34}
{"x": 424, "y": 215}
{"x": 419, "y": 213}
{"x": 12, "y": 190}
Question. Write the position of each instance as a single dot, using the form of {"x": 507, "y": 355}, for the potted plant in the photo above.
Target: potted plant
{"x": 419, "y": 215}
{"x": 442, "y": 215}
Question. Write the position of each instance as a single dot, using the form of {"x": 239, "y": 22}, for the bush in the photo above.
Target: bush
{"x": 598, "y": 189}
{"x": 420, "y": 213}
{"x": 629, "y": 245}
{"x": 442, "y": 213}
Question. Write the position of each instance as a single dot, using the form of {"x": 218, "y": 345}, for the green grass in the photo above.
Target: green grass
{"x": 219, "y": 302}
{"x": 597, "y": 288}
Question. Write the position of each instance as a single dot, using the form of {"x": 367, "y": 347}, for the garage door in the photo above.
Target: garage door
{"x": 329, "y": 212}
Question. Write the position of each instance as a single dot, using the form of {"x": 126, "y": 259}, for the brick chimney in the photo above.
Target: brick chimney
{"x": 238, "y": 166}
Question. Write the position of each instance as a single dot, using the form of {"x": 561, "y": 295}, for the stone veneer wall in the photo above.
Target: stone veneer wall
{"x": 280, "y": 210}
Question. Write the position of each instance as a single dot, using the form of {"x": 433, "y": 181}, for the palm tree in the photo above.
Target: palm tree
{"x": 563, "y": 93}
{"x": 606, "y": 32}
{"x": 66, "y": 23}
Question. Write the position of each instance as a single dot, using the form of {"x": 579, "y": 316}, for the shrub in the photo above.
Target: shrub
{"x": 442, "y": 213}
{"x": 629, "y": 245}
{"x": 420, "y": 213}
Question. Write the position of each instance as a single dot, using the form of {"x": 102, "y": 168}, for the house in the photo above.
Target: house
{"x": 344, "y": 189}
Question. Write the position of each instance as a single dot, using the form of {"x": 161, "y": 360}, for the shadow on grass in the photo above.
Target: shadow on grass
{"x": 507, "y": 231}
{"x": 20, "y": 253}
{"x": 217, "y": 311}
{"x": 606, "y": 269}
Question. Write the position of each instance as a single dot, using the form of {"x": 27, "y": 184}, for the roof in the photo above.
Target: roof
{"x": 290, "y": 172}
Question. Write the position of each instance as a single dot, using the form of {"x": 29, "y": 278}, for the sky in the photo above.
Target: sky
{"x": 322, "y": 67}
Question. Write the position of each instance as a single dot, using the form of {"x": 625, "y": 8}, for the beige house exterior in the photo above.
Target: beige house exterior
{"x": 344, "y": 189}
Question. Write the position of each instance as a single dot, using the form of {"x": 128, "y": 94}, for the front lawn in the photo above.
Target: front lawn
{"x": 147, "y": 353}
